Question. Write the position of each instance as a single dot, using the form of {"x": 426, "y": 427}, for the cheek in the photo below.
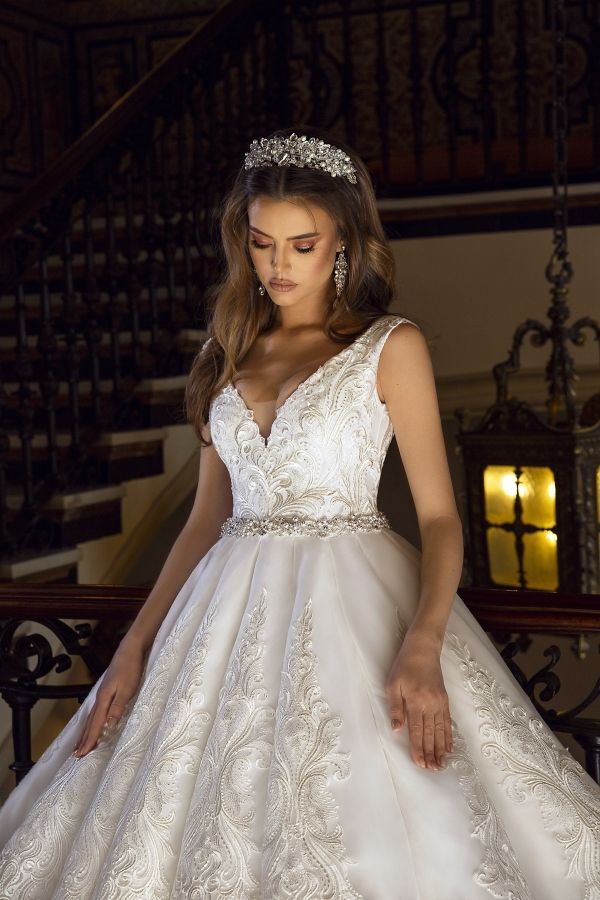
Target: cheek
{"x": 325, "y": 267}
{"x": 255, "y": 257}
{"x": 319, "y": 263}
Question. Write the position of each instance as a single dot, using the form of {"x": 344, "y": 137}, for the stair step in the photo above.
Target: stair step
{"x": 116, "y": 456}
{"x": 77, "y": 516}
{"x": 146, "y": 385}
{"x": 58, "y": 566}
{"x": 55, "y": 272}
{"x": 76, "y": 499}
{"x": 178, "y": 361}
{"x": 31, "y": 301}
{"x": 125, "y": 338}
{"x": 131, "y": 438}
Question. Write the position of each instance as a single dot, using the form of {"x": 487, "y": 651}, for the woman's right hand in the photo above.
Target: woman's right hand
{"x": 120, "y": 683}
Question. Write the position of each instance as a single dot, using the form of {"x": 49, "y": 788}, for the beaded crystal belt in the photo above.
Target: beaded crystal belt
{"x": 300, "y": 525}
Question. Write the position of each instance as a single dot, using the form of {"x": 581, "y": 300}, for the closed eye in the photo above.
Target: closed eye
{"x": 306, "y": 249}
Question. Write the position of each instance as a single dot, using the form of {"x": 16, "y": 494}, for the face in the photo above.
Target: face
{"x": 293, "y": 246}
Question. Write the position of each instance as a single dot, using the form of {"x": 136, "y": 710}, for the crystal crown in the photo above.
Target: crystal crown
{"x": 301, "y": 151}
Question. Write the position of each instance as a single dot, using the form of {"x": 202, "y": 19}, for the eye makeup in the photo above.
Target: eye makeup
{"x": 255, "y": 243}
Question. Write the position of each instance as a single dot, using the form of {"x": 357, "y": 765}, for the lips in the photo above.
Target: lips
{"x": 276, "y": 283}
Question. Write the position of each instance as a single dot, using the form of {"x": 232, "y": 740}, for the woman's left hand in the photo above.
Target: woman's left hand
{"x": 416, "y": 692}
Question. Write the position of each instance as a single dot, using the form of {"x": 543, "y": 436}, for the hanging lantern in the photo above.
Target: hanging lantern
{"x": 533, "y": 481}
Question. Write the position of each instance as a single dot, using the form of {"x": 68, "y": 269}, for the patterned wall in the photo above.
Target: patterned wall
{"x": 114, "y": 43}
{"x": 467, "y": 70}
{"x": 436, "y": 91}
{"x": 34, "y": 88}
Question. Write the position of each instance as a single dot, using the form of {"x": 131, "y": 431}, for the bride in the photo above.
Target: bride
{"x": 304, "y": 707}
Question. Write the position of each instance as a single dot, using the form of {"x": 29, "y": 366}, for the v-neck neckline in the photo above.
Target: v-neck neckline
{"x": 266, "y": 441}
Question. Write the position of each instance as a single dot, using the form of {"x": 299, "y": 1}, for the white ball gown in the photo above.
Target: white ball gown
{"x": 257, "y": 760}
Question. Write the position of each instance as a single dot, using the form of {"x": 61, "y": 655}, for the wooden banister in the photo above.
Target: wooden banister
{"x": 539, "y": 611}
{"x": 536, "y": 611}
{"x": 116, "y": 119}
{"x": 71, "y": 601}
{"x": 503, "y": 611}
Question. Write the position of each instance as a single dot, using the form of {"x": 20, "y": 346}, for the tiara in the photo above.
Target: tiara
{"x": 300, "y": 151}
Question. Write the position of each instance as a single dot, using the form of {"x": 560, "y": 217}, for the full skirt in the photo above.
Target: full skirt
{"x": 257, "y": 760}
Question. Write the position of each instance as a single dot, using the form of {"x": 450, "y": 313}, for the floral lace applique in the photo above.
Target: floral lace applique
{"x": 324, "y": 454}
{"x": 499, "y": 871}
{"x": 535, "y": 764}
{"x": 96, "y": 833}
{"x": 218, "y": 844}
{"x": 145, "y": 846}
{"x": 74, "y": 808}
{"x": 304, "y": 855}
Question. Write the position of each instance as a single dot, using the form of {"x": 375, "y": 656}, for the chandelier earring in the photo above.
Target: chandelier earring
{"x": 340, "y": 273}
{"x": 261, "y": 287}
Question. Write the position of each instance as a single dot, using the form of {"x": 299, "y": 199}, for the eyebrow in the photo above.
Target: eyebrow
{"x": 295, "y": 238}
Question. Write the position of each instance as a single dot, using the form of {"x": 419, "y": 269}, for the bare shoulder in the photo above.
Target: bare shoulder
{"x": 404, "y": 356}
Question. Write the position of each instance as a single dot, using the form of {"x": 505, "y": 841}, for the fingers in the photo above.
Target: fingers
{"x": 398, "y": 713}
{"x": 429, "y": 729}
{"x": 115, "y": 713}
{"x": 448, "y": 729}
{"x": 429, "y": 740}
{"x": 415, "y": 734}
{"x": 97, "y": 721}
{"x": 439, "y": 738}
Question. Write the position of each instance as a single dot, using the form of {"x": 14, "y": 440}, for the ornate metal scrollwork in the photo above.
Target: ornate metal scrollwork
{"x": 546, "y": 682}
{"x": 26, "y": 659}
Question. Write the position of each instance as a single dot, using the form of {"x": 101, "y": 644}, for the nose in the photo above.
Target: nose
{"x": 279, "y": 260}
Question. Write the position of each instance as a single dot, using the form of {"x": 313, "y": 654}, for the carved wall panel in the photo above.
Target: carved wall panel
{"x": 48, "y": 97}
{"x": 112, "y": 58}
{"x": 431, "y": 94}
{"x": 460, "y": 90}
{"x": 34, "y": 92}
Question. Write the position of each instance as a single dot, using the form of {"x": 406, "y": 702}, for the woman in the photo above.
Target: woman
{"x": 304, "y": 708}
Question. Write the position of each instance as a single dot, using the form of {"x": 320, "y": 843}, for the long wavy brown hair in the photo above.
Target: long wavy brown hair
{"x": 237, "y": 313}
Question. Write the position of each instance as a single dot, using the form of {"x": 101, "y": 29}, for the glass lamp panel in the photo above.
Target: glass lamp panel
{"x": 537, "y": 491}
{"x": 540, "y": 560}
{"x": 500, "y": 490}
{"x": 502, "y": 554}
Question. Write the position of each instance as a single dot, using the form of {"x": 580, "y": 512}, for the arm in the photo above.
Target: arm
{"x": 212, "y": 505}
{"x": 415, "y": 684}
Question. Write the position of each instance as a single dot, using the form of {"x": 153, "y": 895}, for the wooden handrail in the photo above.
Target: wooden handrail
{"x": 116, "y": 119}
{"x": 517, "y": 610}
{"x": 71, "y": 601}
{"x": 502, "y": 611}
{"x": 540, "y": 611}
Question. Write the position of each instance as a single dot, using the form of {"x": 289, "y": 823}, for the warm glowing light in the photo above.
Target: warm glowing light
{"x": 537, "y": 492}
{"x": 509, "y": 485}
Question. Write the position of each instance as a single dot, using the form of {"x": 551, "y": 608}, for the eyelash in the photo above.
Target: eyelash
{"x": 299, "y": 249}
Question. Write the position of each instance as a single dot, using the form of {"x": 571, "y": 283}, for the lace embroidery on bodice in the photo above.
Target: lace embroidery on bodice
{"x": 327, "y": 444}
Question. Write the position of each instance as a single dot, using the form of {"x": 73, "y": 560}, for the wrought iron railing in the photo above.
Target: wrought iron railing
{"x": 105, "y": 258}
{"x": 512, "y": 616}
{"x": 26, "y": 656}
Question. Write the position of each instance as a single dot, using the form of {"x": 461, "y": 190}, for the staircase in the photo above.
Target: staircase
{"x": 100, "y": 317}
{"x": 90, "y": 382}
{"x": 106, "y": 260}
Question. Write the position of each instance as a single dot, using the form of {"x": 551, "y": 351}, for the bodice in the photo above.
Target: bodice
{"x": 327, "y": 445}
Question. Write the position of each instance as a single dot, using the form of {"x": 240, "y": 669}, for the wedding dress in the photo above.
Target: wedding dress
{"x": 257, "y": 760}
